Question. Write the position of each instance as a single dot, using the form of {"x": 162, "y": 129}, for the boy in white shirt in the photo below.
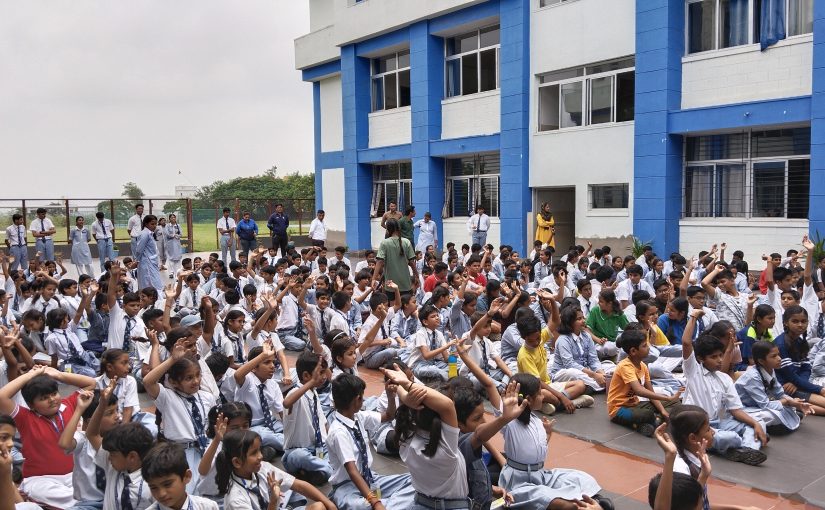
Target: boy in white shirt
{"x": 257, "y": 388}
{"x": 634, "y": 282}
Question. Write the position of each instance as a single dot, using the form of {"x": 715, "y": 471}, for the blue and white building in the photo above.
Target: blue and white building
{"x": 666, "y": 119}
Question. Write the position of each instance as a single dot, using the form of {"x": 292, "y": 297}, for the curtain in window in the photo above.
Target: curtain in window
{"x": 376, "y": 199}
{"x": 737, "y": 17}
{"x": 699, "y": 192}
{"x": 772, "y": 24}
{"x": 448, "y": 199}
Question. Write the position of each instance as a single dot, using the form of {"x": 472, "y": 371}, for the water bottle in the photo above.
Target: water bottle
{"x": 452, "y": 364}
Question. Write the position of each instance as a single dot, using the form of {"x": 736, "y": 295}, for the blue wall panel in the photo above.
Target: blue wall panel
{"x": 817, "y": 190}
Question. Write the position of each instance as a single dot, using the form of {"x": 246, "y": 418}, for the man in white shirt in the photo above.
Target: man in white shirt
{"x": 226, "y": 229}
{"x": 17, "y": 243}
{"x": 318, "y": 230}
{"x": 135, "y": 226}
{"x": 104, "y": 233}
{"x": 43, "y": 229}
{"x": 478, "y": 225}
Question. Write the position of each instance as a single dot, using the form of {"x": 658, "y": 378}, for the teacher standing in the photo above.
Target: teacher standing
{"x": 546, "y": 226}
{"x": 278, "y": 225}
{"x": 146, "y": 254}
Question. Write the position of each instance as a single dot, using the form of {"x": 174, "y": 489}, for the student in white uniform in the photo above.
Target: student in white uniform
{"x": 17, "y": 243}
{"x": 79, "y": 238}
{"x": 305, "y": 426}
{"x": 355, "y": 486}
{"x": 250, "y": 484}
{"x": 135, "y": 226}
{"x": 427, "y": 233}
{"x": 257, "y": 388}
{"x": 174, "y": 252}
{"x": 42, "y": 230}
{"x": 184, "y": 405}
{"x": 526, "y": 441}
{"x": 437, "y": 468}
{"x": 166, "y": 473}
{"x": 125, "y": 487}
{"x": 104, "y": 231}
{"x": 88, "y": 480}
{"x": 226, "y": 229}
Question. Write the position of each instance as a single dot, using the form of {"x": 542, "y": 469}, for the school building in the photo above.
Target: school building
{"x": 665, "y": 119}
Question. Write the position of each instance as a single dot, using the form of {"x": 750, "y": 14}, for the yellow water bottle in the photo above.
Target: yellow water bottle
{"x": 452, "y": 364}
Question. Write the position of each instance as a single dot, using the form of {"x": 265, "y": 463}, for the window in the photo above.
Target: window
{"x": 583, "y": 96}
{"x": 472, "y": 62}
{"x": 391, "y": 81}
{"x": 609, "y": 196}
{"x": 472, "y": 181}
{"x": 391, "y": 183}
{"x": 755, "y": 174}
{"x": 715, "y": 24}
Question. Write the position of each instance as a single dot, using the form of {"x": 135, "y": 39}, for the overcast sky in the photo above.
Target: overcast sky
{"x": 94, "y": 94}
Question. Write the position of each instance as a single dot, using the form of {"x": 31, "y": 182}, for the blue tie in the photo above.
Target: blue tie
{"x": 316, "y": 422}
{"x": 484, "y": 365}
{"x": 268, "y": 420}
{"x": 197, "y": 422}
{"x": 365, "y": 470}
{"x": 433, "y": 345}
{"x": 127, "y": 334}
{"x": 125, "y": 495}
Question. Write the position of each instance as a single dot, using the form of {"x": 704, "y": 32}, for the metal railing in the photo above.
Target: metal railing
{"x": 197, "y": 218}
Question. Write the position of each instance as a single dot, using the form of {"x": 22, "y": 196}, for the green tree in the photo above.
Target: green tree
{"x": 123, "y": 208}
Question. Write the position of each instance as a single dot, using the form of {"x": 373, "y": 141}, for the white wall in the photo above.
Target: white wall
{"x": 455, "y": 230}
{"x": 332, "y": 186}
{"x": 390, "y": 127}
{"x": 754, "y": 236}
{"x": 316, "y": 47}
{"x": 332, "y": 123}
{"x": 321, "y": 14}
{"x": 744, "y": 73}
{"x": 578, "y": 157}
{"x": 577, "y": 33}
{"x": 477, "y": 114}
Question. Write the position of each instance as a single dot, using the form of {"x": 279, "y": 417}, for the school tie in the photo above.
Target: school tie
{"x": 42, "y": 226}
{"x": 433, "y": 345}
{"x": 194, "y": 299}
{"x": 197, "y": 422}
{"x": 21, "y": 239}
{"x": 74, "y": 355}
{"x": 256, "y": 490}
{"x": 125, "y": 493}
{"x": 484, "y": 364}
{"x": 226, "y": 221}
{"x": 820, "y": 326}
{"x": 127, "y": 334}
{"x": 269, "y": 422}
{"x": 588, "y": 306}
{"x": 365, "y": 470}
{"x": 700, "y": 327}
{"x": 635, "y": 286}
{"x": 316, "y": 422}
{"x": 323, "y": 326}
{"x": 694, "y": 472}
{"x": 45, "y": 307}
{"x": 236, "y": 342}
{"x": 100, "y": 479}
{"x": 103, "y": 228}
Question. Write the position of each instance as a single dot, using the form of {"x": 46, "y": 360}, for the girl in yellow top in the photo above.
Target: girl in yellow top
{"x": 546, "y": 226}
{"x": 647, "y": 314}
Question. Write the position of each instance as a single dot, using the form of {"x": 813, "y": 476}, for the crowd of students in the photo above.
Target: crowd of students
{"x": 685, "y": 349}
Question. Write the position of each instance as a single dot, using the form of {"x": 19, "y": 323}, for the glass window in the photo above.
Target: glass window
{"x": 549, "y": 108}
{"x": 472, "y": 181}
{"x": 601, "y": 99}
{"x": 571, "y": 104}
{"x": 625, "y": 96}
{"x": 781, "y": 142}
{"x": 800, "y": 17}
{"x": 733, "y": 19}
{"x": 470, "y": 70}
{"x": 607, "y": 96}
{"x": 698, "y": 191}
{"x": 391, "y": 81}
{"x": 799, "y": 184}
{"x": 703, "y": 148}
{"x": 391, "y": 183}
{"x": 701, "y": 28}
{"x": 469, "y": 74}
{"x": 730, "y": 181}
{"x": 769, "y": 190}
{"x": 609, "y": 196}
{"x": 487, "y": 72}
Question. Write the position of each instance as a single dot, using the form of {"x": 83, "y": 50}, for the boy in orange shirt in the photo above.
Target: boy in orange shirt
{"x": 630, "y": 381}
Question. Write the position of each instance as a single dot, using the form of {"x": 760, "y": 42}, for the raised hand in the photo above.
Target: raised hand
{"x": 179, "y": 350}
{"x": 548, "y": 426}
{"x": 274, "y": 488}
{"x": 665, "y": 442}
{"x": 84, "y": 399}
{"x": 510, "y": 404}
{"x": 395, "y": 376}
{"x": 221, "y": 424}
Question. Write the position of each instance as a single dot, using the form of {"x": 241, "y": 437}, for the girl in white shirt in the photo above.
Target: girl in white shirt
{"x": 249, "y": 483}
{"x": 526, "y": 441}
{"x": 426, "y": 430}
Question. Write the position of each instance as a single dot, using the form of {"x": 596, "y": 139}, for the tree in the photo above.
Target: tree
{"x": 123, "y": 209}
{"x": 131, "y": 190}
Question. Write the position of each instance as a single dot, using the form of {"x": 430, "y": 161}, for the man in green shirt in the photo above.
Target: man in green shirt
{"x": 407, "y": 226}
{"x": 395, "y": 259}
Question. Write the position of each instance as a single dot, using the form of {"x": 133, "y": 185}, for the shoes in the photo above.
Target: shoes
{"x": 583, "y": 401}
{"x": 548, "y": 408}
{"x": 269, "y": 453}
{"x": 744, "y": 455}
{"x": 605, "y": 503}
{"x": 646, "y": 429}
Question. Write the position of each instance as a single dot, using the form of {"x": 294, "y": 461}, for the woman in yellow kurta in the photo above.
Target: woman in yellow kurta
{"x": 546, "y": 226}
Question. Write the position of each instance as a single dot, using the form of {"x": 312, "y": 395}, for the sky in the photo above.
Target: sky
{"x": 95, "y": 94}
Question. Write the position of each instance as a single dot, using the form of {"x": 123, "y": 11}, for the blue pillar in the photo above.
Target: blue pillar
{"x": 816, "y": 213}
{"x": 515, "y": 79}
{"x": 355, "y": 90}
{"x": 426, "y": 84}
{"x": 657, "y": 184}
{"x": 316, "y": 108}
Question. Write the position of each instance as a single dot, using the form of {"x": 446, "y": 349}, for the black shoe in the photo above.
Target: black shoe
{"x": 744, "y": 455}
{"x": 316, "y": 478}
{"x": 646, "y": 429}
{"x": 269, "y": 453}
{"x": 605, "y": 503}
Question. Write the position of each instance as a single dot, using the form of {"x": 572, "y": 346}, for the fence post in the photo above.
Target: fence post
{"x": 112, "y": 217}
{"x": 235, "y": 240}
{"x": 68, "y": 225}
{"x": 217, "y": 216}
{"x": 150, "y": 206}
{"x": 23, "y": 211}
{"x": 189, "y": 225}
